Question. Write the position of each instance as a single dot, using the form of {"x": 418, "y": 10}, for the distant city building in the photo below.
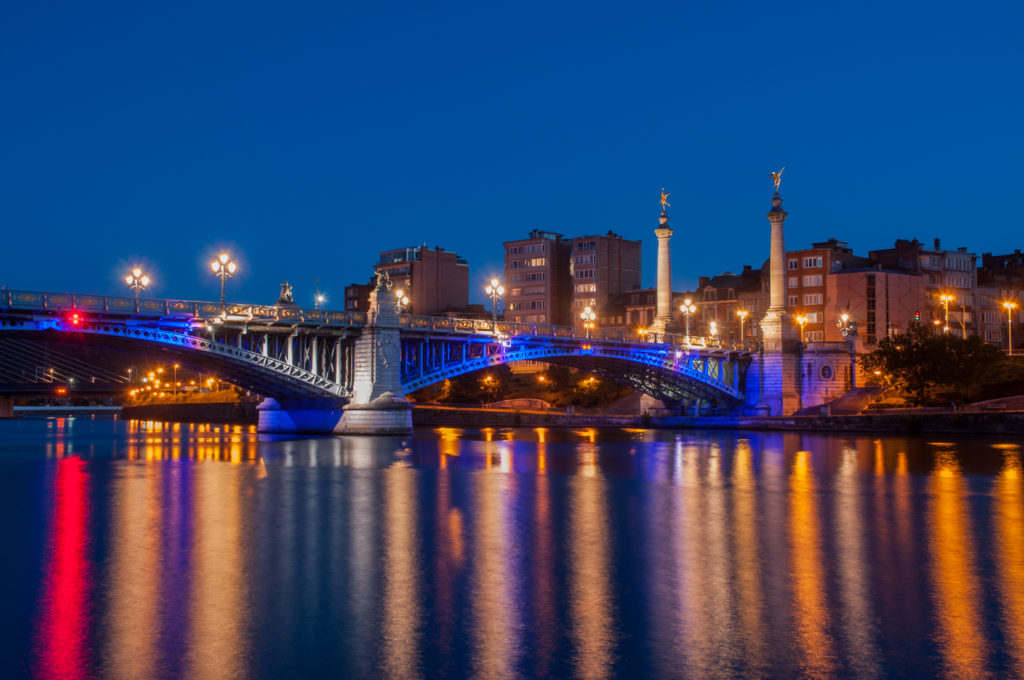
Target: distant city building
{"x": 946, "y": 272}
{"x": 434, "y": 279}
{"x": 807, "y": 272}
{"x": 881, "y": 302}
{"x": 602, "y": 266}
{"x": 537, "y": 283}
{"x": 1000, "y": 279}
{"x": 634, "y": 309}
{"x": 718, "y": 298}
{"x": 357, "y": 295}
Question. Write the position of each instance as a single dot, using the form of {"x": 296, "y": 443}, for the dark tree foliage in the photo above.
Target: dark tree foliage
{"x": 921, "y": 358}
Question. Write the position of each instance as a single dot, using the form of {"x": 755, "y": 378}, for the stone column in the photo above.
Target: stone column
{"x": 663, "y": 310}
{"x": 780, "y": 342}
{"x": 777, "y": 286}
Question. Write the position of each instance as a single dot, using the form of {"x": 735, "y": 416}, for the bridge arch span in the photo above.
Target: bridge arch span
{"x": 655, "y": 371}
{"x": 264, "y": 375}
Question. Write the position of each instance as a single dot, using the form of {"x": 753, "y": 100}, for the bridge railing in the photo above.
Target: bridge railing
{"x": 193, "y": 309}
{"x": 486, "y": 326}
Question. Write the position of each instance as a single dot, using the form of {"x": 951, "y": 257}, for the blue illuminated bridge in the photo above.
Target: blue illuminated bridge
{"x": 287, "y": 353}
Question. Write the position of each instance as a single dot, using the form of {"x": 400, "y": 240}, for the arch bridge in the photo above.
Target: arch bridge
{"x": 293, "y": 354}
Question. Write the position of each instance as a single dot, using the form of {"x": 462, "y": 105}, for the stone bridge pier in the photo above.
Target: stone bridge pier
{"x": 377, "y": 405}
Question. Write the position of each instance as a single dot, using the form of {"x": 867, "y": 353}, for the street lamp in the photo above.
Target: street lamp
{"x": 742, "y": 313}
{"x": 1010, "y": 306}
{"x": 175, "y": 379}
{"x": 642, "y": 332}
{"x": 494, "y": 291}
{"x": 137, "y": 281}
{"x": 588, "y": 317}
{"x": 318, "y": 300}
{"x": 401, "y": 300}
{"x": 688, "y": 308}
{"x": 223, "y": 267}
{"x": 945, "y": 299}
{"x": 802, "y": 320}
{"x": 713, "y": 329}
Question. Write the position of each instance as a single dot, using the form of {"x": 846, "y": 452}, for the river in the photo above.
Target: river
{"x": 150, "y": 550}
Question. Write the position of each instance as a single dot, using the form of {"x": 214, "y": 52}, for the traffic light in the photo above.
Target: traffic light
{"x": 917, "y": 316}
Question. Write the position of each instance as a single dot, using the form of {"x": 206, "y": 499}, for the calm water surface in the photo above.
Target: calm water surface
{"x": 148, "y": 550}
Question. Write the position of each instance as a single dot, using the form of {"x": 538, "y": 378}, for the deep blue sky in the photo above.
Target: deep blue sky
{"x": 307, "y": 138}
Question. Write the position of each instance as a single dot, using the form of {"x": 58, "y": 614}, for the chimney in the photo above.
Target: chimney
{"x": 937, "y": 246}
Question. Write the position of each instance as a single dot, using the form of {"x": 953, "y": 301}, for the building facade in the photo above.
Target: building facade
{"x": 435, "y": 280}
{"x": 602, "y": 267}
{"x": 537, "y": 284}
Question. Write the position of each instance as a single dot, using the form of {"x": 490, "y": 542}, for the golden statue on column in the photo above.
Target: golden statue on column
{"x": 664, "y": 199}
{"x": 777, "y": 178}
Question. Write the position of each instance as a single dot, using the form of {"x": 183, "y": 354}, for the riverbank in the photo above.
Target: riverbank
{"x": 907, "y": 422}
{"x": 238, "y": 412}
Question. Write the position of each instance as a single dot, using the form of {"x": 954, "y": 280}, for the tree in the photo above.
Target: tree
{"x": 914, "y": 360}
{"x": 910, "y": 360}
{"x": 970, "y": 362}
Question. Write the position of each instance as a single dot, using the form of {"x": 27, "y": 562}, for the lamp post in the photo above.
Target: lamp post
{"x": 175, "y": 379}
{"x": 319, "y": 300}
{"x": 742, "y": 313}
{"x": 494, "y": 291}
{"x": 963, "y": 319}
{"x": 588, "y": 317}
{"x": 223, "y": 267}
{"x": 945, "y": 299}
{"x": 713, "y": 330}
{"x": 688, "y": 308}
{"x": 802, "y": 320}
{"x": 1010, "y": 306}
{"x": 137, "y": 282}
{"x": 401, "y": 300}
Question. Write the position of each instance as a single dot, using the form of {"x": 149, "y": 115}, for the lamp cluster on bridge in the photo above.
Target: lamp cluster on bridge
{"x": 223, "y": 267}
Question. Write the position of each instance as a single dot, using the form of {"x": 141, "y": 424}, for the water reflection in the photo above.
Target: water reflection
{"x": 961, "y": 642}
{"x": 817, "y": 656}
{"x": 211, "y": 551}
{"x": 62, "y": 644}
{"x": 1009, "y": 520}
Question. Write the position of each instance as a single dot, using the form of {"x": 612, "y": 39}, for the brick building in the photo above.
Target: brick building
{"x": 537, "y": 283}
{"x": 602, "y": 267}
{"x": 434, "y": 279}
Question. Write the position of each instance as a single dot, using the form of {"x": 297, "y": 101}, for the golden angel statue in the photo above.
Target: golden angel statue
{"x": 777, "y": 178}
{"x": 664, "y": 199}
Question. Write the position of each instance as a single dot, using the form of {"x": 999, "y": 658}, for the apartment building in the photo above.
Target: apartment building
{"x": 949, "y": 273}
{"x": 602, "y": 267}
{"x": 719, "y": 298}
{"x": 807, "y": 272}
{"x": 434, "y": 279}
{"x": 1001, "y": 280}
{"x": 537, "y": 279}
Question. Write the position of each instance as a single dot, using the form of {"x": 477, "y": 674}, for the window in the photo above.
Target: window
{"x": 812, "y": 280}
{"x": 794, "y": 281}
{"x": 814, "y": 317}
{"x": 584, "y": 259}
{"x": 515, "y": 292}
{"x": 536, "y": 262}
{"x": 534, "y": 248}
{"x": 534, "y": 290}
{"x": 826, "y": 372}
{"x": 794, "y": 264}
{"x": 584, "y": 273}
{"x": 812, "y": 299}
{"x": 515, "y": 250}
{"x": 814, "y": 336}
{"x": 811, "y": 262}
{"x": 793, "y": 300}
{"x": 586, "y": 287}
{"x": 586, "y": 245}
{"x": 535, "y": 276}
{"x": 515, "y": 264}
